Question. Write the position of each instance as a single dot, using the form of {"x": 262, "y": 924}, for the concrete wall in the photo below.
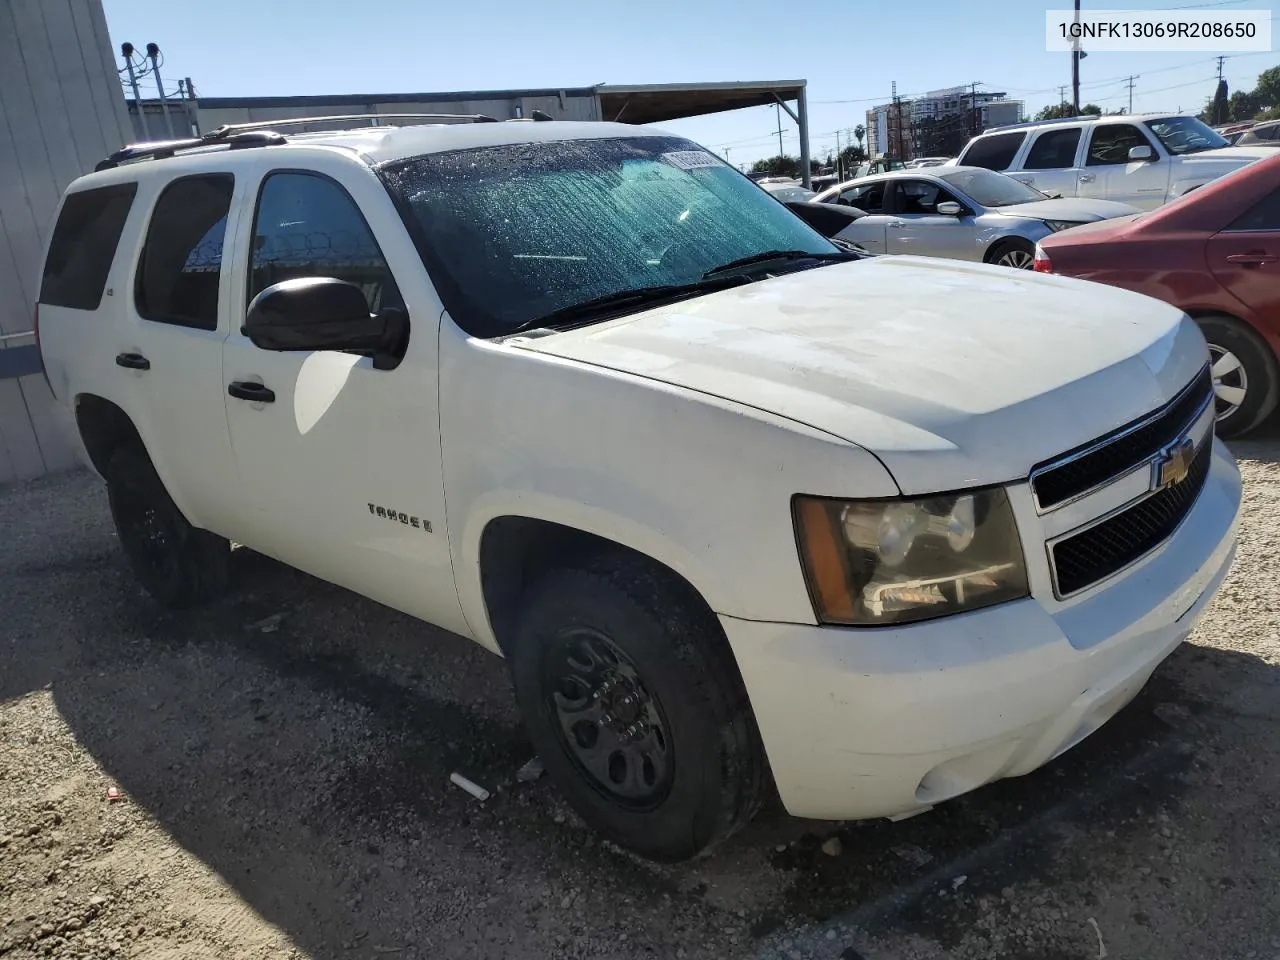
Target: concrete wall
{"x": 61, "y": 111}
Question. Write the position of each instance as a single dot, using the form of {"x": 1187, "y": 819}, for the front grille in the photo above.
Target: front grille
{"x": 1118, "y": 541}
{"x": 1098, "y": 461}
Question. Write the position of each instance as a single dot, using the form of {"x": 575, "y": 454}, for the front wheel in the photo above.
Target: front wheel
{"x": 1244, "y": 375}
{"x": 635, "y": 705}
{"x": 1018, "y": 254}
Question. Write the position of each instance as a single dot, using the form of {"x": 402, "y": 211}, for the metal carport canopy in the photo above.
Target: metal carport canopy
{"x": 656, "y": 102}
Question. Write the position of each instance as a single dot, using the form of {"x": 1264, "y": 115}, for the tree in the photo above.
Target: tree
{"x": 1064, "y": 109}
{"x": 859, "y": 133}
{"x": 1267, "y": 91}
{"x": 851, "y": 156}
{"x": 1220, "y": 107}
{"x": 779, "y": 166}
{"x": 1242, "y": 105}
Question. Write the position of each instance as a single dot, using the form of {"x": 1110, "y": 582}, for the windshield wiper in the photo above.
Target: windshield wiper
{"x": 774, "y": 255}
{"x": 576, "y": 314}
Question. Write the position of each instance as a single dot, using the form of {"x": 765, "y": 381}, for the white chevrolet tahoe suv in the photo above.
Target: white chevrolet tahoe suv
{"x": 1143, "y": 160}
{"x": 739, "y": 508}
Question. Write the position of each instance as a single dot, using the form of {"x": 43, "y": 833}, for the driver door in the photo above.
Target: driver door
{"x": 1109, "y": 174}
{"x": 918, "y": 229}
{"x": 340, "y": 460}
{"x": 869, "y": 231}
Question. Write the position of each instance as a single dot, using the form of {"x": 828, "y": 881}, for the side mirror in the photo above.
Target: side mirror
{"x": 320, "y": 313}
{"x": 949, "y": 208}
{"x": 1141, "y": 153}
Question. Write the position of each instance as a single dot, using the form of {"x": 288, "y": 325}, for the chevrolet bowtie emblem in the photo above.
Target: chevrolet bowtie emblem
{"x": 1174, "y": 463}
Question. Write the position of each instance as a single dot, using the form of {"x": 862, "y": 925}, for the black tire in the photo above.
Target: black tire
{"x": 1024, "y": 251}
{"x": 700, "y": 749}
{"x": 1257, "y": 373}
{"x": 178, "y": 564}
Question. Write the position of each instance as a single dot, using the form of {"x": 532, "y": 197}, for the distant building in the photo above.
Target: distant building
{"x": 937, "y": 124}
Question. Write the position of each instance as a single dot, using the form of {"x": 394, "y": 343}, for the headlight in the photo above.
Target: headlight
{"x": 875, "y": 562}
{"x": 1056, "y": 225}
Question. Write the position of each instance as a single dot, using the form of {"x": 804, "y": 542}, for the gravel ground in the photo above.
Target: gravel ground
{"x": 269, "y": 778}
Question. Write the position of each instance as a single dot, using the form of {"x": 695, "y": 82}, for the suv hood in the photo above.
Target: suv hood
{"x": 1079, "y": 209}
{"x": 953, "y": 374}
{"x": 1229, "y": 157}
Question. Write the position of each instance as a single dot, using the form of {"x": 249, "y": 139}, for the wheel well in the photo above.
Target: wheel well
{"x": 997, "y": 248}
{"x": 516, "y": 551}
{"x": 103, "y": 427}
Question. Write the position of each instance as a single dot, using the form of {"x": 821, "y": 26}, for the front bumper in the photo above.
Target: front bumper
{"x": 863, "y": 723}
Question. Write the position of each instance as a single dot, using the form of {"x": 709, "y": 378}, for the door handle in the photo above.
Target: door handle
{"x": 248, "y": 390}
{"x": 1087, "y": 178}
{"x": 132, "y": 361}
{"x": 1252, "y": 259}
{"x": 896, "y": 226}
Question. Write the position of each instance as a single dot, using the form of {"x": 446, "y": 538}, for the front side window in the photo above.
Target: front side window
{"x": 181, "y": 262}
{"x": 515, "y": 232}
{"x": 919, "y": 197}
{"x": 1181, "y": 135}
{"x": 307, "y": 225}
{"x": 1263, "y": 215}
{"x": 1054, "y": 150}
{"x": 83, "y": 246}
{"x": 995, "y": 152}
{"x": 990, "y": 189}
{"x": 1112, "y": 142}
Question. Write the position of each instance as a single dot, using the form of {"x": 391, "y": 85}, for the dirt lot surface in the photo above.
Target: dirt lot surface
{"x": 282, "y": 763}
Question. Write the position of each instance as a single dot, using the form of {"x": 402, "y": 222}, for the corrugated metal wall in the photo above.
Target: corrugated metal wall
{"x": 61, "y": 111}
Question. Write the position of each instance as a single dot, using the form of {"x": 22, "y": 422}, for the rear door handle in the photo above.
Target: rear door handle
{"x": 132, "y": 361}
{"x": 248, "y": 390}
{"x": 1087, "y": 178}
{"x": 1252, "y": 259}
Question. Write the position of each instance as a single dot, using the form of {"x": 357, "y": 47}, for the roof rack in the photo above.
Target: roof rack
{"x": 1042, "y": 123}
{"x": 262, "y": 133}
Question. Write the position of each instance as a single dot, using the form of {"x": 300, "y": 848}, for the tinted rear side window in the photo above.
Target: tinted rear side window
{"x": 995, "y": 152}
{"x": 83, "y": 246}
{"x": 181, "y": 261}
{"x": 1054, "y": 150}
{"x": 1263, "y": 215}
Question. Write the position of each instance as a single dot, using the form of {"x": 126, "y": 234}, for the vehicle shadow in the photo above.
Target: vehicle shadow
{"x": 298, "y": 740}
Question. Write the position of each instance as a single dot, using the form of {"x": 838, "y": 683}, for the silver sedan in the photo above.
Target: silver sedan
{"x": 965, "y": 213}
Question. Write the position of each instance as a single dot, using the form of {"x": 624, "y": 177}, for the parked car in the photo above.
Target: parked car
{"x": 1214, "y": 254}
{"x": 830, "y": 221}
{"x": 967, "y": 213}
{"x": 1144, "y": 160}
{"x": 787, "y": 190}
{"x": 1261, "y": 135}
{"x": 734, "y": 504}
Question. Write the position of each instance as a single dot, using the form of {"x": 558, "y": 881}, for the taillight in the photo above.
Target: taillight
{"x": 1042, "y": 263}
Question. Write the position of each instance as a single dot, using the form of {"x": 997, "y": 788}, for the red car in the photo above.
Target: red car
{"x": 1215, "y": 253}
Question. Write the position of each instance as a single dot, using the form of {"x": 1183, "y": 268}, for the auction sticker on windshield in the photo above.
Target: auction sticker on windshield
{"x": 690, "y": 159}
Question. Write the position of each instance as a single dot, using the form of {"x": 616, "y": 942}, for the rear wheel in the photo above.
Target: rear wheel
{"x": 1018, "y": 254}
{"x": 634, "y": 703}
{"x": 178, "y": 564}
{"x": 1244, "y": 375}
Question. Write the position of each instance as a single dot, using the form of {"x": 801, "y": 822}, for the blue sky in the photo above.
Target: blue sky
{"x": 849, "y": 51}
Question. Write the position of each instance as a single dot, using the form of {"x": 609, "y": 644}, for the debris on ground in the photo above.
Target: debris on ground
{"x": 473, "y": 788}
{"x": 531, "y": 771}
{"x": 832, "y": 847}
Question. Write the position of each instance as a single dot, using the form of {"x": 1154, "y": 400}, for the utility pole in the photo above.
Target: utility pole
{"x": 126, "y": 51}
{"x": 839, "y": 167}
{"x": 153, "y": 51}
{"x": 1062, "y": 93}
{"x": 973, "y": 120}
{"x": 1221, "y": 61}
{"x": 1131, "y": 79}
{"x": 777, "y": 108}
{"x": 1075, "y": 66}
{"x": 187, "y": 92}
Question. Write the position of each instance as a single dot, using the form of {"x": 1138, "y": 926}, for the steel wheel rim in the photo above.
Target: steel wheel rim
{"x": 1018, "y": 259}
{"x": 1230, "y": 382}
{"x": 606, "y": 719}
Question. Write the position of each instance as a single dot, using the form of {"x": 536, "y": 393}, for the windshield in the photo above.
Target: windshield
{"x": 514, "y": 232}
{"x": 990, "y": 189}
{"x": 1186, "y": 135}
